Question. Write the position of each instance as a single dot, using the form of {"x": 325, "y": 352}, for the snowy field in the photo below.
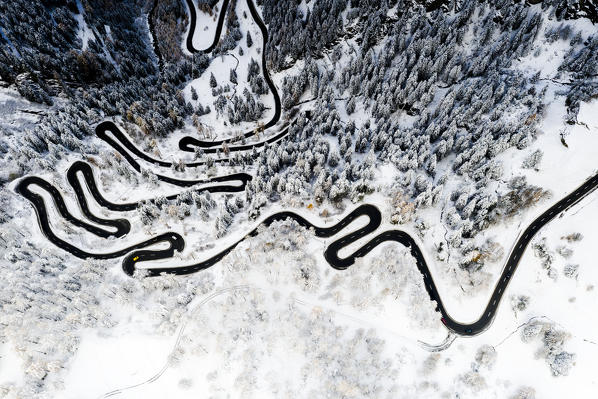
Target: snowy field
{"x": 201, "y": 356}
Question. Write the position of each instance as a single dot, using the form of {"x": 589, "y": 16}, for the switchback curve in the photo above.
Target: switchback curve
{"x": 174, "y": 240}
{"x": 402, "y": 237}
{"x": 122, "y": 144}
{"x": 137, "y": 254}
{"x": 108, "y": 126}
{"x": 192, "y": 26}
{"x": 189, "y": 143}
{"x": 121, "y": 226}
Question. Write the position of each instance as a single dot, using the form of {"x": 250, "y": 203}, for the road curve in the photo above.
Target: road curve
{"x": 107, "y": 126}
{"x": 331, "y": 253}
{"x": 121, "y": 143}
{"x": 175, "y": 241}
{"x": 137, "y": 253}
{"x": 120, "y": 226}
{"x": 193, "y": 24}
{"x": 189, "y": 143}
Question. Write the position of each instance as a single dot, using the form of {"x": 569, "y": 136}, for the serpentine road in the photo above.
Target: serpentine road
{"x": 121, "y": 143}
{"x": 138, "y": 253}
{"x": 135, "y": 254}
{"x": 188, "y": 143}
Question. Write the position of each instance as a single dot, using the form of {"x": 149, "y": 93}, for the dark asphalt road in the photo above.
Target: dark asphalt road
{"x": 120, "y": 226}
{"x": 136, "y": 254}
{"x": 104, "y": 127}
{"x": 189, "y": 143}
{"x": 175, "y": 241}
{"x": 193, "y": 25}
{"x": 125, "y": 147}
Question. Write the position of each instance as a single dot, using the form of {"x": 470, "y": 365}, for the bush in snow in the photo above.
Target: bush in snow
{"x": 486, "y": 356}
{"x": 533, "y": 160}
{"x": 571, "y": 271}
{"x": 553, "y": 341}
{"x": 525, "y": 393}
{"x": 519, "y": 302}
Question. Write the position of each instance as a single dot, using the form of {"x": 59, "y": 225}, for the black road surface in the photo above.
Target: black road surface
{"x": 121, "y": 143}
{"x": 175, "y": 241}
{"x": 121, "y": 226}
{"x": 189, "y": 143}
{"x": 139, "y": 253}
{"x": 136, "y": 254}
{"x": 193, "y": 25}
{"x": 103, "y": 128}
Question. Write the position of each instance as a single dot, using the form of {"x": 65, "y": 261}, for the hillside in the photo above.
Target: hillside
{"x": 315, "y": 198}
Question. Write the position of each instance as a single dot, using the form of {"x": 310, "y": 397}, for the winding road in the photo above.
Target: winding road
{"x": 112, "y": 135}
{"x": 121, "y": 226}
{"x": 193, "y": 25}
{"x": 189, "y": 143}
{"x": 139, "y": 252}
{"x": 136, "y": 254}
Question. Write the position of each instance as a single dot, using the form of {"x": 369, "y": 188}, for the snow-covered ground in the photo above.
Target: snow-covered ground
{"x": 562, "y": 170}
{"x": 221, "y": 67}
{"x": 206, "y": 357}
{"x": 205, "y": 28}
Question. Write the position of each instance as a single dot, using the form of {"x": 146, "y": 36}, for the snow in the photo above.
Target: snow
{"x": 304, "y": 7}
{"x": 220, "y": 68}
{"x": 216, "y": 345}
{"x": 205, "y": 27}
{"x": 108, "y": 32}
{"x": 12, "y": 374}
{"x": 391, "y": 320}
{"x": 84, "y": 32}
{"x": 552, "y": 300}
{"x": 553, "y": 175}
{"x": 137, "y": 364}
{"x": 588, "y": 115}
{"x": 93, "y": 369}
{"x": 140, "y": 364}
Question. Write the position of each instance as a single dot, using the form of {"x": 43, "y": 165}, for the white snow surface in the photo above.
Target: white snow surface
{"x": 84, "y": 32}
